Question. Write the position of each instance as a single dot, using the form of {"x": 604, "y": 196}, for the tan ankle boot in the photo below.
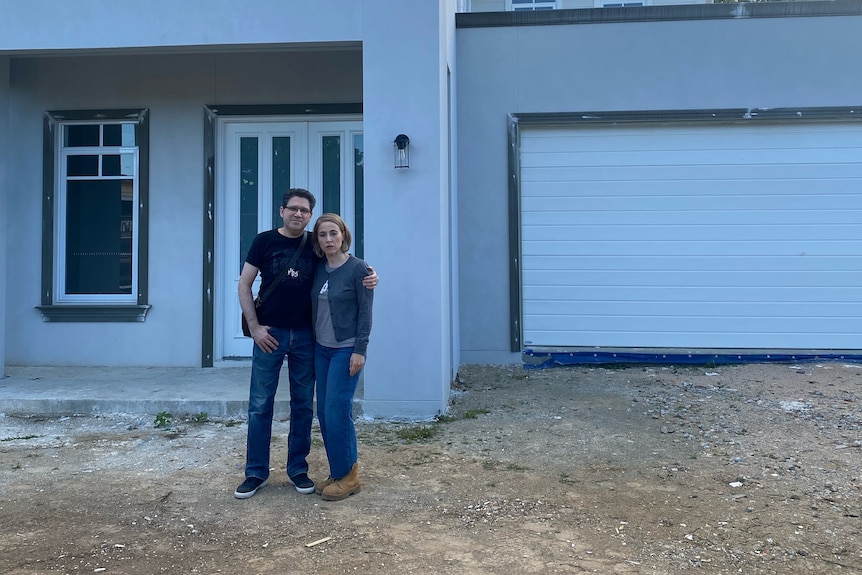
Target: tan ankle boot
{"x": 319, "y": 487}
{"x": 340, "y": 489}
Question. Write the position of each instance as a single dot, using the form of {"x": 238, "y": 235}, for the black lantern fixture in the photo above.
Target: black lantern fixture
{"x": 402, "y": 151}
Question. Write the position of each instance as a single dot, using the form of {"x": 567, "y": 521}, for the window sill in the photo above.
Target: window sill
{"x": 94, "y": 313}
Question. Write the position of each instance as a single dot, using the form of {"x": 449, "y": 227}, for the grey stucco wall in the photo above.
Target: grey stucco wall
{"x": 616, "y": 66}
{"x": 89, "y": 24}
{"x": 175, "y": 88}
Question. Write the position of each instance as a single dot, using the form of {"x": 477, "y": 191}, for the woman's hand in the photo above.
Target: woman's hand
{"x": 357, "y": 362}
{"x": 370, "y": 281}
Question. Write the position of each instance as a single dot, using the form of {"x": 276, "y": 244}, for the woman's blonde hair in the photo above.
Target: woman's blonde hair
{"x": 335, "y": 219}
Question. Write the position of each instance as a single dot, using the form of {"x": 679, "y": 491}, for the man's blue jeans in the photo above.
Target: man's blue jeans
{"x": 335, "y": 389}
{"x": 298, "y": 346}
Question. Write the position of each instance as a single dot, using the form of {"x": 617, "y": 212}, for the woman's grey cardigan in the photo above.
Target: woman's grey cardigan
{"x": 349, "y": 301}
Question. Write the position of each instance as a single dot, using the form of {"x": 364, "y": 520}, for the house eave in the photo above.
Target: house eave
{"x": 722, "y": 11}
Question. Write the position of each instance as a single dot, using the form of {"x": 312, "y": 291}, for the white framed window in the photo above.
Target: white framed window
{"x": 95, "y": 216}
{"x": 530, "y": 5}
{"x": 615, "y": 4}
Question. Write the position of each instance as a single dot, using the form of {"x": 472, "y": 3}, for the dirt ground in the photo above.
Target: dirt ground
{"x": 639, "y": 469}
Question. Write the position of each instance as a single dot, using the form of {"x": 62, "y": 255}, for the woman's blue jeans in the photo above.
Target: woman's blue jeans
{"x": 335, "y": 389}
{"x": 297, "y": 345}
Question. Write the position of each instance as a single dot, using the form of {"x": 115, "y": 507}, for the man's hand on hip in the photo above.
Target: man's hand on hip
{"x": 263, "y": 339}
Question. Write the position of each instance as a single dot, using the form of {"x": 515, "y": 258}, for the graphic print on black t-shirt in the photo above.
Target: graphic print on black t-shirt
{"x": 289, "y": 304}
{"x": 301, "y": 270}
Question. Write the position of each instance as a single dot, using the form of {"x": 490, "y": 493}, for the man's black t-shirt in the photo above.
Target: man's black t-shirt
{"x": 288, "y": 306}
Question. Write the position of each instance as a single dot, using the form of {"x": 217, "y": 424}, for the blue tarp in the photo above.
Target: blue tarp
{"x": 541, "y": 359}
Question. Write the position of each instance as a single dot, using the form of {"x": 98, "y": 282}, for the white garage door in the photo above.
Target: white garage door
{"x": 725, "y": 236}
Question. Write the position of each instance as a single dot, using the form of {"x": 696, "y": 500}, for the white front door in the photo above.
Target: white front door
{"x": 260, "y": 161}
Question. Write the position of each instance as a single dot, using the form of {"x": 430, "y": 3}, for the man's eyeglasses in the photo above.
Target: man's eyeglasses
{"x": 294, "y": 209}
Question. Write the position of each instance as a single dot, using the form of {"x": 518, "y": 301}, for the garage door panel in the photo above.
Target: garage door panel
{"x": 661, "y": 173}
{"x": 650, "y": 206}
{"x": 684, "y": 139}
{"x": 656, "y": 295}
{"x": 851, "y": 311}
{"x": 688, "y": 247}
{"x": 691, "y": 263}
{"x": 695, "y": 201}
{"x": 690, "y": 217}
{"x": 724, "y": 158}
{"x": 833, "y": 194}
{"x": 701, "y": 233}
{"x": 692, "y": 236}
{"x": 672, "y": 279}
{"x": 695, "y": 324}
{"x": 700, "y": 340}
{"x": 833, "y": 190}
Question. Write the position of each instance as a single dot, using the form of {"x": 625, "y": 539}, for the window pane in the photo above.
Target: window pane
{"x": 112, "y": 135}
{"x": 248, "y": 185}
{"x": 526, "y": 5}
{"x": 82, "y": 166}
{"x": 280, "y": 175}
{"x": 331, "y": 174}
{"x": 129, "y": 138}
{"x": 127, "y": 165}
{"x": 118, "y": 135}
{"x": 80, "y": 135}
{"x": 111, "y": 165}
{"x": 359, "y": 195}
{"x": 99, "y": 237}
{"x": 118, "y": 165}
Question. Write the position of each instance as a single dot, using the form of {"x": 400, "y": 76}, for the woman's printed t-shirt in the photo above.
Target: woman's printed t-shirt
{"x": 323, "y": 330}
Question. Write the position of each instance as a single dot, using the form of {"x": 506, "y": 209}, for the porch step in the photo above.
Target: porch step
{"x": 220, "y": 392}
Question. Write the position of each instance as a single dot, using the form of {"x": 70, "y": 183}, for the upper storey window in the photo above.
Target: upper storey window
{"x": 525, "y": 5}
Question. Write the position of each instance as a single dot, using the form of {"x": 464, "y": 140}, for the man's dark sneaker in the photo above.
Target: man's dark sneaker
{"x": 302, "y": 483}
{"x": 249, "y": 487}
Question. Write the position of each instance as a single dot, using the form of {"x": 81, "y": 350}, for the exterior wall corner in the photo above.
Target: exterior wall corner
{"x": 407, "y": 210}
{"x": 5, "y": 141}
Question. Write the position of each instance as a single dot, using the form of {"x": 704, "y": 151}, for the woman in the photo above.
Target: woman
{"x": 341, "y": 310}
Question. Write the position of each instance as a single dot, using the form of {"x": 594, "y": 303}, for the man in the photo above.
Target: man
{"x": 281, "y": 327}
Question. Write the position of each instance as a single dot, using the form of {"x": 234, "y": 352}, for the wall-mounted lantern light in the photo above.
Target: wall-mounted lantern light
{"x": 402, "y": 151}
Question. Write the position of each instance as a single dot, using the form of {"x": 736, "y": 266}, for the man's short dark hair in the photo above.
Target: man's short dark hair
{"x": 299, "y": 193}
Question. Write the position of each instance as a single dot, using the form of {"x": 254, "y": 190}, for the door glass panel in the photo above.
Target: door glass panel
{"x": 359, "y": 196}
{"x": 280, "y": 175}
{"x": 331, "y": 155}
{"x": 248, "y": 191}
